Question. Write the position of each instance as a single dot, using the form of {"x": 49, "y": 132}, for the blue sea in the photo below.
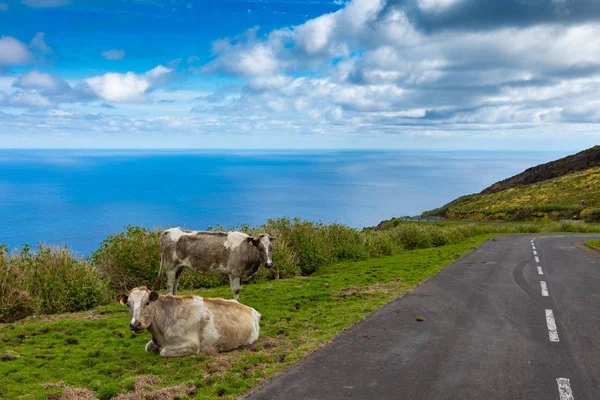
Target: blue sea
{"x": 78, "y": 197}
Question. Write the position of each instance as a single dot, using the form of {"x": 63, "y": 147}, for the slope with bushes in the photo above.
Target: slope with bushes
{"x": 581, "y": 161}
{"x": 572, "y": 196}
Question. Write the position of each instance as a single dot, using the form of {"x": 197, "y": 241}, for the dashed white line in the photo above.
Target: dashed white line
{"x": 540, "y": 272}
{"x": 537, "y": 259}
{"x": 535, "y": 253}
{"x": 544, "y": 288}
{"x": 552, "y": 332}
{"x": 533, "y": 247}
{"x": 564, "y": 389}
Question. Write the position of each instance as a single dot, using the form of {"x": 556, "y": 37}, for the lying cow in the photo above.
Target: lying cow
{"x": 233, "y": 253}
{"x": 184, "y": 325}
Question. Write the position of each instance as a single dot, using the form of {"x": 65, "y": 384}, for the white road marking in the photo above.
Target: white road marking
{"x": 540, "y": 272}
{"x": 544, "y": 288}
{"x": 533, "y": 247}
{"x": 535, "y": 253}
{"x": 552, "y": 332}
{"x": 564, "y": 389}
{"x": 537, "y": 259}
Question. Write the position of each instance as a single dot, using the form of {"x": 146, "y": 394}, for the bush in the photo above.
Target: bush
{"x": 46, "y": 281}
{"x": 591, "y": 214}
{"x": 15, "y": 302}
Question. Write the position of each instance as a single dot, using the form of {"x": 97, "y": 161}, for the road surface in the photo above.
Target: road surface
{"x": 518, "y": 318}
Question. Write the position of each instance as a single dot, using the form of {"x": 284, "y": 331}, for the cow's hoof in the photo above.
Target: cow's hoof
{"x": 151, "y": 347}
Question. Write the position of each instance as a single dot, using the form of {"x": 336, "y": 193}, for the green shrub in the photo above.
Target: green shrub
{"x": 15, "y": 302}
{"x": 130, "y": 258}
{"x": 591, "y": 214}
{"x": 48, "y": 280}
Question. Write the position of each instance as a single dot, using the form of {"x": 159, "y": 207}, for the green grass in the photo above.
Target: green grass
{"x": 95, "y": 350}
{"x": 594, "y": 243}
{"x": 556, "y": 198}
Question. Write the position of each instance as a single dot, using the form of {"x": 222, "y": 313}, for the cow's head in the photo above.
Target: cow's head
{"x": 265, "y": 247}
{"x": 141, "y": 307}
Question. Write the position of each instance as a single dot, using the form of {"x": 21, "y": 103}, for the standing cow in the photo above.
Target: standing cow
{"x": 233, "y": 253}
{"x": 184, "y": 325}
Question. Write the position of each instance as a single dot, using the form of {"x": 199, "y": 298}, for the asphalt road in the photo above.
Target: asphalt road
{"x": 487, "y": 333}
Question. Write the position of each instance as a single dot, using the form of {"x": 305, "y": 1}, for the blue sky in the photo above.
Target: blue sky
{"x": 433, "y": 74}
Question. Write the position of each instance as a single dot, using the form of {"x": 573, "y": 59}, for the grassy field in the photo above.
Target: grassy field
{"x": 555, "y": 198}
{"x": 94, "y": 353}
{"x": 594, "y": 243}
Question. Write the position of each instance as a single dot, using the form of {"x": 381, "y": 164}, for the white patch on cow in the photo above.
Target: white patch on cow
{"x": 210, "y": 336}
{"x": 255, "y": 328}
{"x": 186, "y": 262}
{"x": 234, "y": 239}
{"x": 266, "y": 241}
{"x": 132, "y": 322}
{"x": 175, "y": 234}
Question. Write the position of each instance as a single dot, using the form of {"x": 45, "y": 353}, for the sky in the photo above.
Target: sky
{"x": 249, "y": 74}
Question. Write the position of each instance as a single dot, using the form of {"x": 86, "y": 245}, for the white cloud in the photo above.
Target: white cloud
{"x": 45, "y": 3}
{"x": 128, "y": 87}
{"x": 38, "y": 80}
{"x": 38, "y": 43}
{"x": 113, "y": 54}
{"x": 25, "y": 100}
{"x": 14, "y": 52}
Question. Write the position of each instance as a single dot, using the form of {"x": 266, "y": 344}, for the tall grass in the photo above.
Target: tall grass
{"x": 53, "y": 280}
{"x": 48, "y": 280}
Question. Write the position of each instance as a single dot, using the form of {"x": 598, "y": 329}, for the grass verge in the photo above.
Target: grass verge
{"x": 594, "y": 244}
{"x": 96, "y": 351}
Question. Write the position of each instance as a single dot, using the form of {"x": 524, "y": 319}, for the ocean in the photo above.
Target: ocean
{"x": 78, "y": 197}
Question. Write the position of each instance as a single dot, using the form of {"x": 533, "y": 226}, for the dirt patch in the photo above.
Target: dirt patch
{"x": 268, "y": 342}
{"x": 379, "y": 288}
{"x": 9, "y": 355}
{"x": 143, "y": 390}
{"x": 77, "y": 394}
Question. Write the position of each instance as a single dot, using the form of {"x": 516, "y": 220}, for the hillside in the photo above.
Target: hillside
{"x": 571, "y": 196}
{"x": 577, "y": 162}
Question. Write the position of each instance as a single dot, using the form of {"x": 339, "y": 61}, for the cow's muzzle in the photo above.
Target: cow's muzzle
{"x": 269, "y": 265}
{"x": 137, "y": 327}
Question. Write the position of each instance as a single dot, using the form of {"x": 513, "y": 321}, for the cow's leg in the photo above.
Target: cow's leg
{"x": 172, "y": 279}
{"x": 179, "y": 351}
{"x": 177, "y": 276}
{"x": 235, "y": 286}
{"x": 151, "y": 347}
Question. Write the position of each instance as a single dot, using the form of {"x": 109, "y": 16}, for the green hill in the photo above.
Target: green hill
{"x": 571, "y": 192}
{"x": 581, "y": 161}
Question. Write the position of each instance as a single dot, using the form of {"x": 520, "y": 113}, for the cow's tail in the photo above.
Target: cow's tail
{"x": 158, "y": 282}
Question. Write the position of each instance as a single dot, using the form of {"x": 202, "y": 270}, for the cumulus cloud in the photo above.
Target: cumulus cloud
{"x": 35, "y": 89}
{"x": 128, "y": 87}
{"x": 403, "y": 63}
{"x": 14, "y": 52}
{"x": 113, "y": 54}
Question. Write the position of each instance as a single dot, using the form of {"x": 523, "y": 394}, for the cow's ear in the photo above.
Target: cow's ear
{"x": 272, "y": 237}
{"x": 122, "y": 298}
{"x": 154, "y": 295}
{"x": 250, "y": 241}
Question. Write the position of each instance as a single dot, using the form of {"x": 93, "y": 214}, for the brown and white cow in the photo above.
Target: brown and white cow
{"x": 233, "y": 253}
{"x": 184, "y": 325}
